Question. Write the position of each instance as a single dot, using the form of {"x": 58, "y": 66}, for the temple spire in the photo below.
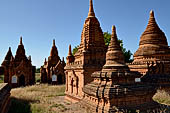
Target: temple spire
{"x": 70, "y": 53}
{"x": 53, "y": 42}
{"x": 152, "y": 25}
{"x": 114, "y": 35}
{"x": 54, "y": 51}
{"x": 63, "y": 59}
{"x": 114, "y": 55}
{"x": 152, "y": 18}
{"x": 21, "y": 40}
{"x": 152, "y": 14}
{"x": 152, "y": 41}
{"x": 114, "y": 44}
{"x": 91, "y": 10}
{"x": 9, "y": 54}
{"x": 45, "y": 62}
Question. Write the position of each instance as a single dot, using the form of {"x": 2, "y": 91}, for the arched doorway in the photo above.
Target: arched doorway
{"x": 22, "y": 80}
{"x": 59, "y": 79}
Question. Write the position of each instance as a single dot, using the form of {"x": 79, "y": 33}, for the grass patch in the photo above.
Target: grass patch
{"x": 37, "y": 99}
{"x": 1, "y": 78}
{"x": 41, "y": 98}
{"x": 59, "y": 106}
{"x": 19, "y": 106}
{"x": 37, "y": 109}
{"x": 162, "y": 97}
{"x": 60, "y": 94}
{"x": 37, "y": 77}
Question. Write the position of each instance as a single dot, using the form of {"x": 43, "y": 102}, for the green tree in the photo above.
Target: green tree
{"x": 107, "y": 38}
{"x": 127, "y": 53}
{"x": 75, "y": 50}
{"x": 37, "y": 70}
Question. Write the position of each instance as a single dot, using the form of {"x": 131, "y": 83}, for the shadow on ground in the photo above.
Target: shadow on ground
{"x": 20, "y": 105}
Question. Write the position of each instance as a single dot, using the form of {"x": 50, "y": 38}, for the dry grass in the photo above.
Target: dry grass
{"x": 41, "y": 98}
{"x": 37, "y": 98}
{"x": 1, "y": 78}
{"x": 46, "y": 98}
{"x": 162, "y": 97}
{"x": 37, "y": 77}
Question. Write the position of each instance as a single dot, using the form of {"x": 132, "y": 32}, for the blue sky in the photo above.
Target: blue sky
{"x": 41, "y": 21}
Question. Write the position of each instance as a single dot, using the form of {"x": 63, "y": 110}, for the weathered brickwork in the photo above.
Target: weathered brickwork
{"x": 4, "y": 97}
{"x": 18, "y": 70}
{"x": 153, "y": 47}
{"x": 152, "y": 58}
{"x": 90, "y": 57}
{"x": 115, "y": 87}
{"x": 52, "y": 71}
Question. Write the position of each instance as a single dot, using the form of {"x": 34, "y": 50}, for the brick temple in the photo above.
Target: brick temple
{"x": 4, "y": 97}
{"x": 115, "y": 88}
{"x": 99, "y": 79}
{"x": 52, "y": 71}
{"x": 152, "y": 58}
{"x": 89, "y": 58}
{"x": 18, "y": 70}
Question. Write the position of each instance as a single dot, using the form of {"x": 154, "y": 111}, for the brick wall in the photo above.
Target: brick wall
{"x": 4, "y": 97}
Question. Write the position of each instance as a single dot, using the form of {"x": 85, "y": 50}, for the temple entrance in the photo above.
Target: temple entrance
{"x": 22, "y": 80}
{"x": 59, "y": 79}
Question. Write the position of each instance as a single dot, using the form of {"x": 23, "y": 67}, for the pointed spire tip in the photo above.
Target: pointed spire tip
{"x": 91, "y": 10}
{"x": 53, "y": 42}
{"x": 70, "y": 52}
{"x": 21, "y": 40}
{"x": 113, "y": 28}
{"x": 152, "y": 13}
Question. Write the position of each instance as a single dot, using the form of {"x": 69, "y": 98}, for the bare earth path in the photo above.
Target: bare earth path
{"x": 45, "y": 98}
{"x": 42, "y": 99}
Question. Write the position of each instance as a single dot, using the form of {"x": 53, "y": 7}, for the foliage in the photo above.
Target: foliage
{"x": 37, "y": 70}
{"x": 127, "y": 53}
{"x": 19, "y": 106}
{"x": 37, "y": 77}
{"x": 107, "y": 38}
{"x": 1, "y": 78}
{"x": 162, "y": 97}
{"x": 38, "y": 99}
{"x": 75, "y": 50}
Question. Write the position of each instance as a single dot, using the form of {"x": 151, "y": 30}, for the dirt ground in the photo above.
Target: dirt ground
{"x": 42, "y": 99}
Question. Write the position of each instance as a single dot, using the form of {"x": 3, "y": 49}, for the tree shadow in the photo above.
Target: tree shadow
{"x": 20, "y": 105}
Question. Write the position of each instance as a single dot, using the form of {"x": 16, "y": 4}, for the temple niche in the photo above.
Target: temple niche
{"x": 52, "y": 71}
{"x": 116, "y": 89}
{"x": 90, "y": 57}
{"x": 18, "y": 70}
{"x": 153, "y": 55}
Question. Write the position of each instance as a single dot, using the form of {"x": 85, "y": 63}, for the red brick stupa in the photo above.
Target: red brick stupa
{"x": 90, "y": 57}
{"x": 18, "y": 70}
{"x": 153, "y": 47}
{"x": 115, "y": 88}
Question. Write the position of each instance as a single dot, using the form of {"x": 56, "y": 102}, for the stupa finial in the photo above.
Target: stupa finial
{"x": 53, "y": 42}
{"x": 91, "y": 10}
{"x": 21, "y": 40}
{"x": 152, "y": 14}
{"x": 70, "y": 53}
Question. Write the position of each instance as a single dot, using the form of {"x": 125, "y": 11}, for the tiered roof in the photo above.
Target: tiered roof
{"x": 153, "y": 41}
